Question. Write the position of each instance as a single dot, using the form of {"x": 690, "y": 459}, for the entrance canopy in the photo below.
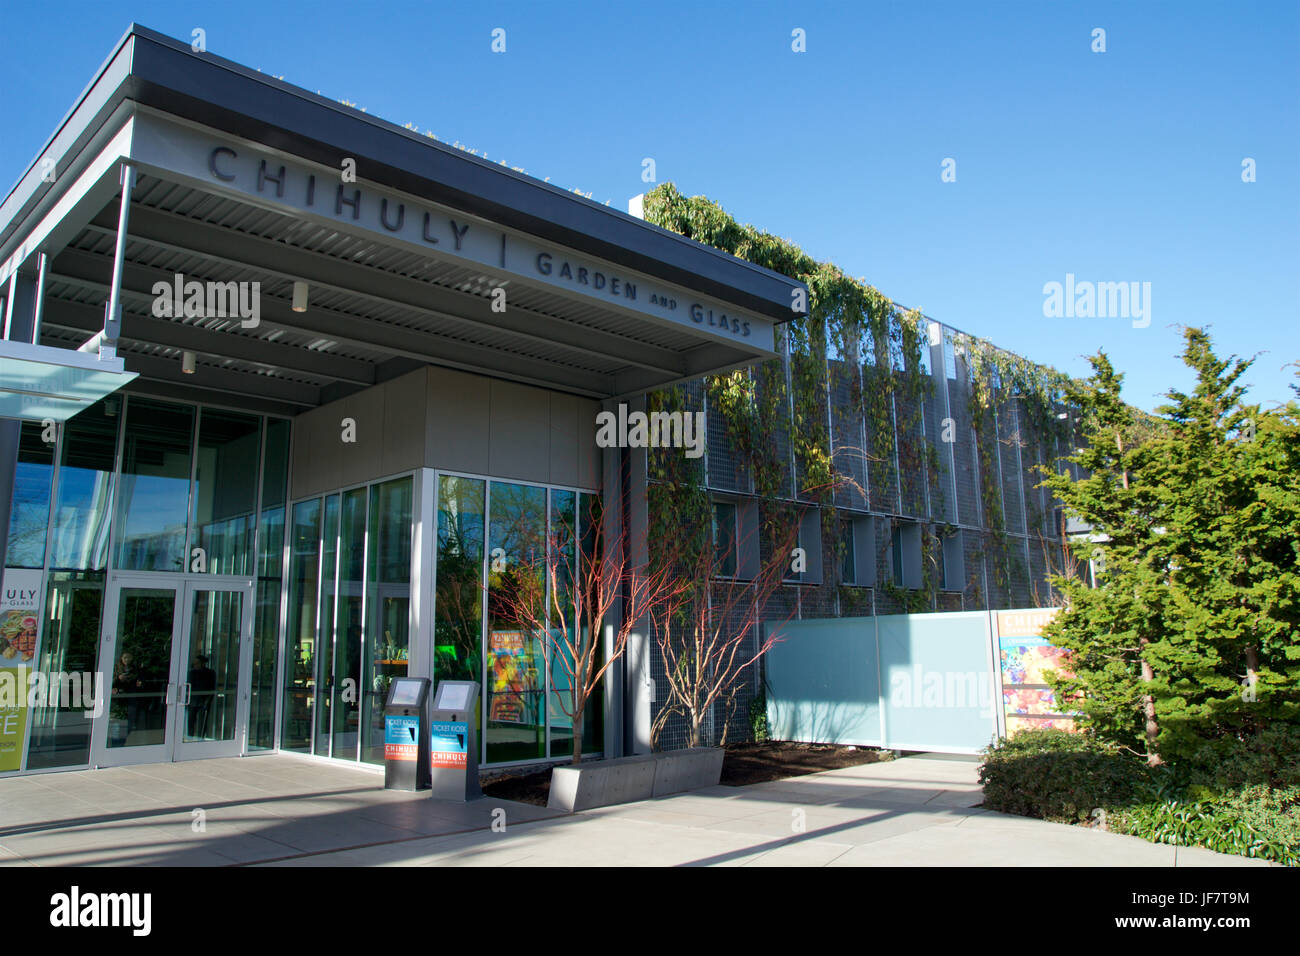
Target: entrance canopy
{"x": 257, "y": 270}
{"x": 38, "y": 382}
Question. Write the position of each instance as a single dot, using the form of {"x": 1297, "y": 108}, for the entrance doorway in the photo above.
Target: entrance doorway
{"x": 179, "y": 652}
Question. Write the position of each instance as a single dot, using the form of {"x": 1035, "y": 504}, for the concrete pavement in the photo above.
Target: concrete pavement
{"x": 284, "y": 810}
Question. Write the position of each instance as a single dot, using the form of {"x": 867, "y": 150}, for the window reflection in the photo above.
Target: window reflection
{"x": 84, "y": 498}
{"x": 225, "y": 490}
{"x": 515, "y": 674}
{"x": 153, "y": 501}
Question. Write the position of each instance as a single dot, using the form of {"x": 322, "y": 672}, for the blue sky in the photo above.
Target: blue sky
{"x": 1116, "y": 166}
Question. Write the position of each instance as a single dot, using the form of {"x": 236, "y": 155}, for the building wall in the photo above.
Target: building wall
{"x": 951, "y": 500}
{"x": 452, "y": 421}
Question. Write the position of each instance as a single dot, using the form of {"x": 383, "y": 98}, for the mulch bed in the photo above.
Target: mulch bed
{"x": 758, "y": 763}
{"x": 744, "y": 764}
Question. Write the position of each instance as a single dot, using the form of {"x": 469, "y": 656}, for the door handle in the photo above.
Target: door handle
{"x": 185, "y": 694}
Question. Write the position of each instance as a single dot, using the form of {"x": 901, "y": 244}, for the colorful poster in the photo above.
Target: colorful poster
{"x": 1027, "y": 659}
{"x": 20, "y": 624}
{"x": 448, "y": 743}
{"x": 511, "y": 674}
{"x": 400, "y": 738}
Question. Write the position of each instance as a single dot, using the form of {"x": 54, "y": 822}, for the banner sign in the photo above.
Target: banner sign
{"x": 20, "y": 623}
{"x": 1027, "y": 658}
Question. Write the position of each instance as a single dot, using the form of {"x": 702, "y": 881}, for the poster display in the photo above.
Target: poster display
{"x": 20, "y": 624}
{"x": 512, "y": 676}
{"x": 1026, "y": 660}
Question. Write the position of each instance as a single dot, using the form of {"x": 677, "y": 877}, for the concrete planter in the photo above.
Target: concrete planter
{"x": 603, "y": 783}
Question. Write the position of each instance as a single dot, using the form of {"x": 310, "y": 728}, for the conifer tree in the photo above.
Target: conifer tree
{"x": 1109, "y": 629}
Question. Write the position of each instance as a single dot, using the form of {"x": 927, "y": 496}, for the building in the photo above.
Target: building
{"x": 265, "y": 428}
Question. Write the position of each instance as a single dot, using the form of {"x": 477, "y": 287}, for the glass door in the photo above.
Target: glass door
{"x": 180, "y": 654}
{"x": 212, "y": 676}
{"x": 141, "y": 618}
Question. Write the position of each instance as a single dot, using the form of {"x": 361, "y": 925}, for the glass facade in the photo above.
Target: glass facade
{"x": 137, "y": 492}
{"x": 150, "y": 479}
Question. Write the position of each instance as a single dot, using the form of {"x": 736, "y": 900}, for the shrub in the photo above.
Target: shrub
{"x": 1270, "y": 757}
{"x": 1058, "y": 775}
{"x": 758, "y": 718}
{"x": 1252, "y": 821}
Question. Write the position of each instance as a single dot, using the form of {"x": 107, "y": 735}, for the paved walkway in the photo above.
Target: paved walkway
{"x": 284, "y": 810}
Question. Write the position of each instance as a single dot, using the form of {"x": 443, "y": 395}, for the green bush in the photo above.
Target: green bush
{"x": 1057, "y": 775}
{"x": 1252, "y": 821}
{"x": 1270, "y": 757}
{"x": 758, "y": 719}
{"x": 1224, "y": 804}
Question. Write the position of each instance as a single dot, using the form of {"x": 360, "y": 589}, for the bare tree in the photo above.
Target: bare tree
{"x": 708, "y": 632}
{"x": 568, "y": 597}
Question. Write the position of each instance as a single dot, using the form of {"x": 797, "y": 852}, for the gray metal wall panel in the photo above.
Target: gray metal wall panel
{"x": 519, "y": 432}
{"x": 405, "y": 411}
{"x": 564, "y": 431}
{"x": 458, "y": 421}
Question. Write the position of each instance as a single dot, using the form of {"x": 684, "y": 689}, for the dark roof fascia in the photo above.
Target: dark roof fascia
{"x": 168, "y": 75}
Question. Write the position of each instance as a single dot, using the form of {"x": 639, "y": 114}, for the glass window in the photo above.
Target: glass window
{"x": 225, "y": 490}
{"x": 300, "y": 640}
{"x": 850, "y": 569}
{"x": 84, "y": 497}
{"x": 270, "y": 560}
{"x": 69, "y": 645}
{"x": 388, "y": 604}
{"x": 348, "y": 624}
{"x": 30, "y": 517}
{"x": 458, "y": 606}
{"x": 516, "y": 717}
{"x": 724, "y": 537}
{"x": 331, "y": 668}
{"x": 153, "y": 503}
{"x": 565, "y": 639}
{"x": 896, "y": 552}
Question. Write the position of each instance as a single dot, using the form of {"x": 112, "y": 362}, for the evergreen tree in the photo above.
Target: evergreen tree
{"x": 1109, "y": 629}
{"x": 1189, "y": 645}
{"x": 1225, "y": 480}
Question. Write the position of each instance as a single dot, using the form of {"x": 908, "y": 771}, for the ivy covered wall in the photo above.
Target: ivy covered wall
{"x": 887, "y": 416}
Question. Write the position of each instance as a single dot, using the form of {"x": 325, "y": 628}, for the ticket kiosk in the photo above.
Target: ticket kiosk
{"x": 453, "y": 741}
{"x": 406, "y": 737}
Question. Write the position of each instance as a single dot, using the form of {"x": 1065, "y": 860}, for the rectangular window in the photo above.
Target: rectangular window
{"x": 849, "y": 569}
{"x": 84, "y": 500}
{"x": 724, "y": 538}
{"x": 153, "y": 501}
{"x": 300, "y": 640}
{"x": 906, "y": 555}
{"x": 515, "y": 724}
{"x": 30, "y": 514}
{"x": 954, "y": 570}
{"x": 458, "y": 604}
{"x": 270, "y": 561}
{"x": 805, "y": 567}
{"x": 225, "y": 490}
{"x": 69, "y": 645}
{"x": 388, "y": 604}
